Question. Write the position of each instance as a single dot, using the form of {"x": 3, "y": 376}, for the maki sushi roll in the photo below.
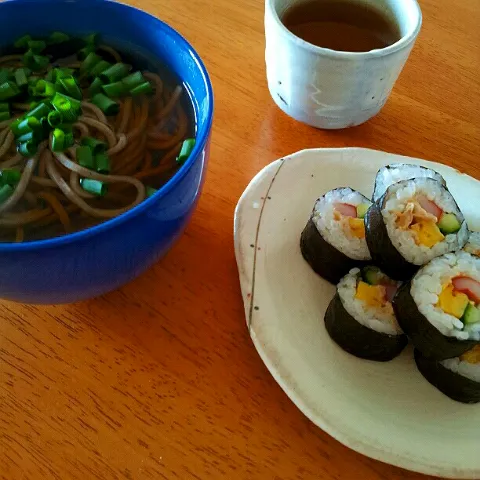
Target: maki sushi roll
{"x": 396, "y": 172}
{"x": 473, "y": 245}
{"x": 333, "y": 241}
{"x": 440, "y": 308}
{"x": 413, "y": 222}
{"x": 458, "y": 378}
{"x": 360, "y": 318}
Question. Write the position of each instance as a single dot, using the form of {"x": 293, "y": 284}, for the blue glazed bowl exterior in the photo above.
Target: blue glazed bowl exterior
{"x": 94, "y": 261}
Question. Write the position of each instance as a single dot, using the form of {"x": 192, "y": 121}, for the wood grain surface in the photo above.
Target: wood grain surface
{"x": 160, "y": 380}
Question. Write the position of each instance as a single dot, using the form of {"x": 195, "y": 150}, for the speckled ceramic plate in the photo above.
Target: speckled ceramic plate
{"x": 386, "y": 411}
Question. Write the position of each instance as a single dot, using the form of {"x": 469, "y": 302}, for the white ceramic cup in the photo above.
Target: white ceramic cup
{"x": 331, "y": 89}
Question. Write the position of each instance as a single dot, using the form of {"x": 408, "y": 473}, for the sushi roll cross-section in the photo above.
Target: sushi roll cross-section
{"x": 360, "y": 318}
{"x": 333, "y": 241}
{"x": 414, "y": 222}
{"x": 440, "y": 308}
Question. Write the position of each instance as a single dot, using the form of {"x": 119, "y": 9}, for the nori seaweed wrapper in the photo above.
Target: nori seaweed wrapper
{"x": 324, "y": 258}
{"x": 359, "y": 340}
{"x": 383, "y": 252}
{"x": 454, "y": 385}
{"x": 425, "y": 337}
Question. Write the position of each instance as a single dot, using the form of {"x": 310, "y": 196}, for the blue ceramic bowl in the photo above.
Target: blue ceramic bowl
{"x": 94, "y": 261}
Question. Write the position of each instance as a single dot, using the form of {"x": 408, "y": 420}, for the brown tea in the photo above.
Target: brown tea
{"x": 341, "y": 25}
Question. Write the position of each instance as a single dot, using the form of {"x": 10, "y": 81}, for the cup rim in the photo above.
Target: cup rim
{"x": 200, "y": 145}
{"x": 342, "y": 55}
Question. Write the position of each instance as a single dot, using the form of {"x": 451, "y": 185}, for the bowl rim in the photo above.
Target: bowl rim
{"x": 200, "y": 145}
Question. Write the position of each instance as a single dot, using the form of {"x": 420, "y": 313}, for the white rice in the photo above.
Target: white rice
{"x": 332, "y": 230}
{"x": 428, "y": 284}
{"x": 396, "y": 172}
{"x": 466, "y": 369}
{"x": 473, "y": 245}
{"x": 404, "y": 240}
{"x": 380, "y": 320}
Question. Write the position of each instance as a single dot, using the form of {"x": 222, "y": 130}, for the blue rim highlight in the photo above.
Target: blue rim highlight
{"x": 201, "y": 140}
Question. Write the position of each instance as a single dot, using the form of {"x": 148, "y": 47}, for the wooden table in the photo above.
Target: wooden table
{"x": 160, "y": 380}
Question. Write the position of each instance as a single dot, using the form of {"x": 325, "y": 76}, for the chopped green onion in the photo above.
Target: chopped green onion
{"x": 58, "y": 37}
{"x": 5, "y": 193}
{"x": 94, "y": 186}
{"x": 116, "y": 89}
{"x": 63, "y": 72}
{"x": 37, "y": 46}
{"x": 50, "y": 76}
{"x": 33, "y": 79}
{"x": 85, "y": 52}
{"x": 14, "y": 126}
{"x": 105, "y": 104}
{"x": 21, "y": 77}
{"x": 8, "y": 90}
{"x": 55, "y": 119}
{"x": 44, "y": 89}
{"x": 115, "y": 72}
{"x": 95, "y": 87}
{"x": 5, "y": 74}
{"x": 150, "y": 191}
{"x": 40, "y": 111}
{"x": 4, "y": 107}
{"x": 144, "y": 88}
{"x": 27, "y": 149}
{"x": 69, "y": 107}
{"x": 27, "y": 125}
{"x": 35, "y": 62}
{"x": 186, "y": 150}
{"x": 71, "y": 88}
{"x": 85, "y": 157}
{"x": 100, "y": 67}
{"x": 58, "y": 140}
{"x": 69, "y": 140}
{"x": 10, "y": 176}
{"x": 90, "y": 61}
{"x": 133, "y": 80}
{"x": 4, "y": 116}
{"x": 28, "y": 137}
{"x": 102, "y": 163}
{"x": 97, "y": 146}
{"x": 92, "y": 38}
{"x": 22, "y": 42}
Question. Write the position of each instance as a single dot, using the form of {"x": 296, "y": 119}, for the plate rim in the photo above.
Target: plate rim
{"x": 355, "y": 444}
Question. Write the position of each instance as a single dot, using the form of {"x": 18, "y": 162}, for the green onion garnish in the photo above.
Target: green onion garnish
{"x": 58, "y": 140}
{"x": 71, "y": 88}
{"x": 186, "y": 150}
{"x": 95, "y": 87}
{"x": 27, "y": 149}
{"x": 36, "y": 46}
{"x": 85, "y": 157}
{"x": 63, "y": 72}
{"x": 105, "y": 104}
{"x": 55, "y": 119}
{"x": 94, "y": 186}
{"x": 101, "y": 66}
{"x": 4, "y": 107}
{"x": 133, "y": 80}
{"x": 27, "y": 125}
{"x": 22, "y": 42}
{"x": 4, "y": 116}
{"x": 116, "y": 89}
{"x": 35, "y": 62}
{"x": 5, "y": 193}
{"x": 92, "y": 38}
{"x": 5, "y": 74}
{"x": 8, "y": 90}
{"x": 90, "y": 61}
{"x": 50, "y": 76}
{"x": 97, "y": 146}
{"x": 102, "y": 163}
{"x": 69, "y": 107}
{"x": 115, "y": 73}
{"x": 144, "y": 88}
{"x": 58, "y": 37}
{"x": 69, "y": 140}
{"x": 85, "y": 52}
{"x": 150, "y": 191}
{"x": 44, "y": 89}
{"x": 28, "y": 137}
{"x": 10, "y": 176}
{"x": 21, "y": 77}
{"x": 40, "y": 111}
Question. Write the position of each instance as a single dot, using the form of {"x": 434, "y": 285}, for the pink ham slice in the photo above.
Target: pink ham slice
{"x": 429, "y": 206}
{"x": 468, "y": 286}
{"x": 346, "y": 209}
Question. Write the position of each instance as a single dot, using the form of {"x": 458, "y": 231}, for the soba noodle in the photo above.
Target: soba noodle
{"x": 142, "y": 141}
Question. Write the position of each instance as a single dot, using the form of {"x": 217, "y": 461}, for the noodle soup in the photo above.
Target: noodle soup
{"x": 87, "y": 132}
